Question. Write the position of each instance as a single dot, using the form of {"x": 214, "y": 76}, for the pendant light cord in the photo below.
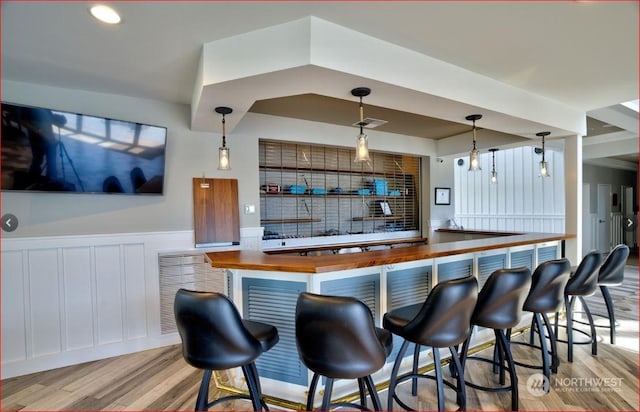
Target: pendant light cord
{"x": 361, "y": 116}
{"x": 474, "y": 135}
{"x": 224, "y": 132}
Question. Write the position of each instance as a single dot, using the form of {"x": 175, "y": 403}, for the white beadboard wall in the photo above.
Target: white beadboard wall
{"x": 73, "y": 299}
{"x": 521, "y": 201}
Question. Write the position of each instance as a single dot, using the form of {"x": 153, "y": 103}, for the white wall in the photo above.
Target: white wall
{"x": 441, "y": 176}
{"x": 521, "y": 201}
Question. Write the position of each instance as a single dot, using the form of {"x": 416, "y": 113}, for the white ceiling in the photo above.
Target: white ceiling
{"x": 580, "y": 54}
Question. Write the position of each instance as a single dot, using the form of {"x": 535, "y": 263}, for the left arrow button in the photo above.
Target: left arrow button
{"x": 9, "y": 222}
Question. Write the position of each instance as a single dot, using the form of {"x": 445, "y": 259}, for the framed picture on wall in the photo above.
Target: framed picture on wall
{"x": 443, "y": 196}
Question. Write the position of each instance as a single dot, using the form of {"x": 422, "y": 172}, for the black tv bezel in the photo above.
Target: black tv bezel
{"x": 126, "y": 194}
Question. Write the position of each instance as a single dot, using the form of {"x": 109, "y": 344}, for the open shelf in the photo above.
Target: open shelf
{"x": 343, "y": 195}
{"x": 268, "y": 221}
{"x": 305, "y": 167}
{"x": 367, "y": 218}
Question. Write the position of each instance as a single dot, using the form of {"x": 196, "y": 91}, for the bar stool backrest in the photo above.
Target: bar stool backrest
{"x": 445, "y": 317}
{"x": 612, "y": 270}
{"x": 547, "y": 286}
{"x": 584, "y": 281}
{"x": 336, "y": 336}
{"x": 500, "y": 299}
{"x": 212, "y": 333}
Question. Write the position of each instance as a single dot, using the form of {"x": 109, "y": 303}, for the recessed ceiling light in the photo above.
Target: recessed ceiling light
{"x": 105, "y": 14}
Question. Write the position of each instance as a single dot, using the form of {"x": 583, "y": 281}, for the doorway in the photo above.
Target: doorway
{"x": 603, "y": 240}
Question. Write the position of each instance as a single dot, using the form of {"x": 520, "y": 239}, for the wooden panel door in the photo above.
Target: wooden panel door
{"x": 215, "y": 212}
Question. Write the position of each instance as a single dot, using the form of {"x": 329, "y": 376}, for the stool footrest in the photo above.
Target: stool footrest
{"x": 418, "y": 375}
{"x": 487, "y": 388}
{"x": 595, "y": 324}
{"x": 583, "y": 332}
{"x": 349, "y": 405}
{"x": 229, "y": 398}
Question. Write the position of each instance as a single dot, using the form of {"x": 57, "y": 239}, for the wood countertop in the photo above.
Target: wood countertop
{"x": 475, "y": 232}
{"x": 256, "y": 260}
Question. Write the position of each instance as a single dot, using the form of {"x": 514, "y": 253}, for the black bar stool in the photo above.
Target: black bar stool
{"x": 499, "y": 307}
{"x": 215, "y": 337}
{"x": 337, "y": 339}
{"x": 442, "y": 321}
{"x": 583, "y": 282}
{"x": 545, "y": 296}
{"x": 612, "y": 274}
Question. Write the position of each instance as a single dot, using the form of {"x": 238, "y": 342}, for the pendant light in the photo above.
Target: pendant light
{"x": 494, "y": 175}
{"x": 362, "y": 145}
{"x": 544, "y": 166}
{"x": 474, "y": 156}
{"x": 223, "y": 151}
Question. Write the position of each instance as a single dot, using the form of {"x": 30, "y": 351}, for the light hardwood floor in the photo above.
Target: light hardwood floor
{"x": 160, "y": 379}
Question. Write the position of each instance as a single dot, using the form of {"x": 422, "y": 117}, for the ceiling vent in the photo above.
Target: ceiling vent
{"x": 369, "y": 123}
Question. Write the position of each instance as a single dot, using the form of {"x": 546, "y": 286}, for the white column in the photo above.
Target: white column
{"x": 573, "y": 196}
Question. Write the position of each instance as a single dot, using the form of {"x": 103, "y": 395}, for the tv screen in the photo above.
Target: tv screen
{"x": 51, "y": 150}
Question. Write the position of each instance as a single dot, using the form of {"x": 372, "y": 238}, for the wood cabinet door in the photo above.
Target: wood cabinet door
{"x": 216, "y": 216}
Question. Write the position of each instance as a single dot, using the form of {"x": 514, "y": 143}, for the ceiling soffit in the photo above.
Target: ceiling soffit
{"x": 313, "y": 56}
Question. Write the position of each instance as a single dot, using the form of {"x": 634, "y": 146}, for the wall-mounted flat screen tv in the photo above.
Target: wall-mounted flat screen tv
{"x": 49, "y": 150}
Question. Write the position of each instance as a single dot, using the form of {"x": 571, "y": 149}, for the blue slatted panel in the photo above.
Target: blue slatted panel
{"x": 488, "y": 264}
{"x": 407, "y": 287}
{"x": 522, "y": 258}
{"x": 365, "y": 288}
{"x": 547, "y": 253}
{"x": 274, "y": 302}
{"x": 455, "y": 270}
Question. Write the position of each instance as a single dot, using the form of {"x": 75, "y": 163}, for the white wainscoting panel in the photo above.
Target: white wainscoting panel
{"x": 135, "y": 313}
{"x": 109, "y": 289}
{"x": 79, "y": 284}
{"x": 44, "y": 310}
{"x": 72, "y": 299}
{"x": 14, "y": 337}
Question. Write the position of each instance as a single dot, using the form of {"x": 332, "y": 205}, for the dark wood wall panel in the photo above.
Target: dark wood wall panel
{"x": 215, "y": 211}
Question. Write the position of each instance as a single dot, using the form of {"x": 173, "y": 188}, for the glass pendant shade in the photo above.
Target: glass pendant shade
{"x": 544, "y": 169}
{"x": 474, "y": 160}
{"x": 362, "y": 144}
{"x": 544, "y": 166}
{"x": 474, "y": 156}
{"x": 494, "y": 175}
{"x": 362, "y": 148}
{"x": 223, "y": 159}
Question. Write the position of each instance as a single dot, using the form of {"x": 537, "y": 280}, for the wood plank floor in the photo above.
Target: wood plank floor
{"x": 160, "y": 379}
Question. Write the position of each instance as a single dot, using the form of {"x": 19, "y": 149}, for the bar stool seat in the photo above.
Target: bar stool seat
{"x": 215, "y": 337}
{"x": 443, "y": 320}
{"x": 583, "y": 282}
{"x": 337, "y": 339}
{"x": 499, "y": 307}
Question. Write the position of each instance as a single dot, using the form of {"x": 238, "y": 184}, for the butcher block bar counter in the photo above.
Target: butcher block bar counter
{"x": 265, "y": 287}
{"x": 255, "y": 260}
